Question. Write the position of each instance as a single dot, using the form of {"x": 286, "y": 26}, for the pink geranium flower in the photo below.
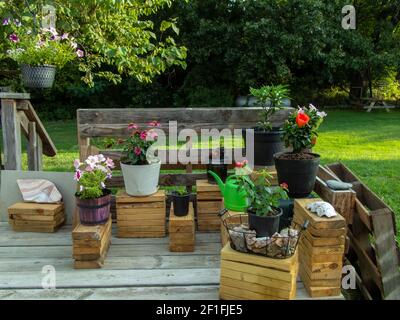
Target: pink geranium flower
{"x": 132, "y": 126}
{"x": 143, "y": 135}
{"x": 137, "y": 151}
{"x": 154, "y": 124}
{"x": 77, "y": 175}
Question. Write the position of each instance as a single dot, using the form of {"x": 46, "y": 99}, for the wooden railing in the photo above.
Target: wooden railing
{"x": 18, "y": 114}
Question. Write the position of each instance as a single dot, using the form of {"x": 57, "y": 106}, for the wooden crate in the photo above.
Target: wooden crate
{"x": 182, "y": 235}
{"x": 236, "y": 219}
{"x": 321, "y": 250}
{"x": 36, "y": 217}
{"x": 141, "y": 217}
{"x": 251, "y": 277}
{"x": 209, "y": 204}
{"x": 90, "y": 245}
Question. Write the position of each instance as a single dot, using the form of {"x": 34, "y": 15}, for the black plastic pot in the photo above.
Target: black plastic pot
{"x": 181, "y": 204}
{"x": 299, "y": 175}
{"x": 220, "y": 169}
{"x": 287, "y": 206}
{"x": 266, "y": 144}
{"x": 265, "y": 226}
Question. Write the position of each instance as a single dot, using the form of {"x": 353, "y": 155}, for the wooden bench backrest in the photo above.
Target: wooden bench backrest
{"x": 102, "y": 123}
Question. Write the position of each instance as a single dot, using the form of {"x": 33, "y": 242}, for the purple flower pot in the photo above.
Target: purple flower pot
{"x": 94, "y": 211}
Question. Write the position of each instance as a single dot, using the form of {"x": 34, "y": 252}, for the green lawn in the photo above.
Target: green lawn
{"x": 368, "y": 143}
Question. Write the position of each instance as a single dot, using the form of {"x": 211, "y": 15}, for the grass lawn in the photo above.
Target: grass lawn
{"x": 368, "y": 143}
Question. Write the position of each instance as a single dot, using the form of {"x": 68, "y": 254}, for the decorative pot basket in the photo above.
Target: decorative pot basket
{"x": 38, "y": 76}
{"x": 279, "y": 246}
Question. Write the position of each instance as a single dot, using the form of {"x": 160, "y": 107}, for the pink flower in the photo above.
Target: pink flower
{"x": 154, "y": 123}
{"x": 80, "y": 53}
{"x": 77, "y": 163}
{"x": 78, "y": 175}
{"x": 152, "y": 134}
{"x": 137, "y": 151}
{"x": 132, "y": 126}
{"x": 110, "y": 163}
{"x": 89, "y": 168}
{"x": 13, "y": 37}
{"x": 64, "y": 36}
{"x": 143, "y": 135}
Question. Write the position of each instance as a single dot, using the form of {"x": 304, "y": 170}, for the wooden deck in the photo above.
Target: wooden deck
{"x": 134, "y": 269}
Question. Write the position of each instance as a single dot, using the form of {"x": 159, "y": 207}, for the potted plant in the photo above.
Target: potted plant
{"x": 264, "y": 212}
{"x": 217, "y": 163}
{"x": 93, "y": 199}
{"x": 39, "y": 53}
{"x": 141, "y": 171}
{"x": 299, "y": 167}
{"x": 181, "y": 200}
{"x": 268, "y": 139}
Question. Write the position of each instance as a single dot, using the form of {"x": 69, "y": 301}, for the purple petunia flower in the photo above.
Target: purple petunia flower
{"x": 80, "y": 53}
{"x": 13, "y": 37}
{"x": 6, "y": 21}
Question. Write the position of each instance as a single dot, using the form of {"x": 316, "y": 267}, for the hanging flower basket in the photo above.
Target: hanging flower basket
{"x": 38, "y": 76}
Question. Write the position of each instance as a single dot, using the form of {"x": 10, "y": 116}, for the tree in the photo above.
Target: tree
{"x": 118, "y": 37}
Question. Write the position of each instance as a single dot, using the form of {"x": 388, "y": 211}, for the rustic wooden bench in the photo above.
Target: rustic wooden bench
{"x": 112, "y": 123}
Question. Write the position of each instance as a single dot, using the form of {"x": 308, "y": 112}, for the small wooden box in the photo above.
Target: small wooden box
{"x": 141, "y": 217}
{"x": 250, "y": 277}
{"x": 321, "y": 250}
{"x": 90, "y": 245}
{"x": 209, "y": 204}
{"x": 36, "y": 217}
{"x": 243, "y": 218}
{"x": 182, "y": 236}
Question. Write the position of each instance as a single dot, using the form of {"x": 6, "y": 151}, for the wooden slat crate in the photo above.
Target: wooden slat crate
{"x": 372, "y": 242}
{"x": 141, "y": 217}
{"x": 182, "y": 235}
{"x": 321, "y": 250}
{"x": 90, "y": 245}
{"x": 251, "y": 277}
{"x": 36, "y": 217}
{"x": 209, "y": 204}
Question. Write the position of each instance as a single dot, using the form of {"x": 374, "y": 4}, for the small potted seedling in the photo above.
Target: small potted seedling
{"x": 264, "y": 212}
{"x": 217, "y": 163}
{"x": 180, "y": 199}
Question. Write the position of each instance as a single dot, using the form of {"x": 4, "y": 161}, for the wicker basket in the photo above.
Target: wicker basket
{"x": 277, "y": 247}
{"x": 38, "y": 76}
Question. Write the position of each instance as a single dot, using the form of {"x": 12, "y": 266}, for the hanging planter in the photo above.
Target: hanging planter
{"x": 38, "y": 76}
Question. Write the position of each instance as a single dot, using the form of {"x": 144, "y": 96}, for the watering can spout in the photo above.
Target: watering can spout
{"x": 221, "y": 185}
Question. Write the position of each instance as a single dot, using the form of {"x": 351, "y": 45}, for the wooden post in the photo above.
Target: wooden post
{"x": 11, "y": 135}
{"x": 34, "y": 149}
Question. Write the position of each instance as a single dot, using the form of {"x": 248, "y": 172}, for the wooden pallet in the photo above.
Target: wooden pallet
{"x": 141, "y": 217}
{"x": 36, "y": 217}
{"x": 320, "y": 253}
{"x": 373, "y": 250}
{"x": 251, "y": 277}
{"x": 209, "y": 204}
{"x": 182, "y": 235}
{"x": 90, "y": 245}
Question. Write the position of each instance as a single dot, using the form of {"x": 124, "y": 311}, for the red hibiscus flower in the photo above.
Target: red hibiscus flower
{"x": 302, "y": 119}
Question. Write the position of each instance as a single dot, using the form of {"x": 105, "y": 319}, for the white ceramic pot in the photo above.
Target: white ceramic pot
{"x": 141, "y": 180}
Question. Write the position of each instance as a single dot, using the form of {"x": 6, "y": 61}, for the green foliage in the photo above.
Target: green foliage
{"x": 92, "y": 185}
{"x": 43, "y": 48}
{"x": 179, "y": 191}
{"x": 118, "y": 37}
{"x": 263, "y": 198}
{"x": 270, "y": 98}
{"x": 300, "y": 130}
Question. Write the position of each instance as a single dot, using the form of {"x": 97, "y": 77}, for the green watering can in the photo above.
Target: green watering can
{"x": 234, "y": 199}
